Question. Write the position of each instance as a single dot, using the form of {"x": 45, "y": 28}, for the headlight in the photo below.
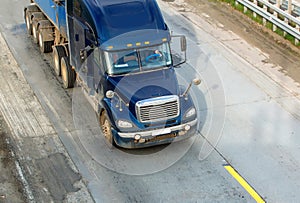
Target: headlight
{"x": 124, "y": 124}
{"x": 190, "y": 112}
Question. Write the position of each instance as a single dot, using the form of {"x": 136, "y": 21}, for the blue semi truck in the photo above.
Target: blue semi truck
{"x": 119, "y": 53}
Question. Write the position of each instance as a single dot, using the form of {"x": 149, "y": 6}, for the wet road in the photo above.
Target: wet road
{"x": 253, "y": 119}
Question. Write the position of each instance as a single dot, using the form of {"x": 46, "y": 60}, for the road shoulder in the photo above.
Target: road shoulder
{"x": 47, "y": 172}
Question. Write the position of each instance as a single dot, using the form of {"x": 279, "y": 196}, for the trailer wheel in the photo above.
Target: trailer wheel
{"x": 45, "y": 46}
{"x": 58, "y": 53}
{"x": 67, "y": 73}
{"x": 35, "y": 18}
{"x": 106, "y": 129}
{"x": 28, "y": 23}
{"x": 27, "y": 17}
{"x": 35, "y": 32}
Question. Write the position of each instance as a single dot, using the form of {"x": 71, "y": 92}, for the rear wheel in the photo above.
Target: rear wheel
{"x": 27, "y": 16}
{"x": 67, "y": 73}
{"x": 58, "y": 53}
{"x": 106, "y": 129}
{"x": 36, "y": 17}
{"x": 45, "y": 46}
{"x": 28, "y": 22}
{"x": 35, "y": 32}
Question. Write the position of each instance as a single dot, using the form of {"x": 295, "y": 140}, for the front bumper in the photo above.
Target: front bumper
{"x": 155, "y": 137}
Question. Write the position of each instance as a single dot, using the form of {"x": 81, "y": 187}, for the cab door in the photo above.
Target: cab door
{"x": 98, "y": 71}
{"x": 76, "y": 32}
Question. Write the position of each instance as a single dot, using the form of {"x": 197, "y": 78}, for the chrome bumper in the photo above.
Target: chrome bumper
{"x": 157, "y": 132}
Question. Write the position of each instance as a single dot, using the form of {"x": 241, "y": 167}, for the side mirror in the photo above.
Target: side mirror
{"x": 179, "y": 47}
{"x": 196, "y": 82}
{"x": 84, "y": 52}
{"x": 110, "y": 94}
{"x": 183, "y": 43}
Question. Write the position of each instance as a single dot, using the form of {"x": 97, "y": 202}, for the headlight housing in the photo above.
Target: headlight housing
{"x": 191, "y": 112}
{"x": 124, "y": 124}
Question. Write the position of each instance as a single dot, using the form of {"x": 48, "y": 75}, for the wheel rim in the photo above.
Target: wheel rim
{"x": 27, "y": 22}
{"x": 34, "y": 32}
{"x": 56, "y": 62}
{"x": 40, "y": 40}
{"x": 64, "y": 72}
{"x": 105, "y": 126}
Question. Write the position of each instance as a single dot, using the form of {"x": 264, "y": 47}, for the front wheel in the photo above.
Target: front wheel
{"x": 106, "y": 129}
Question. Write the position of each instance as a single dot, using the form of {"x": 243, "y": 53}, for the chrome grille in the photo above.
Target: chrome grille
{"x": 158, "y": 109}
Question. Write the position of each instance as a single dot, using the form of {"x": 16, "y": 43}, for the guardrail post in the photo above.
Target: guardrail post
{"x": 265, "y": 7}
{"x": 284, "y": 33}
{"x": 254, "y": 14}
{"x": 289, "y": 6}
{"x": 278, "y": 3}
{"x": 287, "y": 22}
{"x": 264, "y": 22}
{"x": 296, "y": 39}
{"x": 274, "y": 27}
{"x": 245, "y": 9}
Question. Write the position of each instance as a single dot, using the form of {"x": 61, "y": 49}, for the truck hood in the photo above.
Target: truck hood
{"x": 137, "y": 87}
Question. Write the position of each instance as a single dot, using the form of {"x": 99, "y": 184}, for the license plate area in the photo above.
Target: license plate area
{"x": 161, "y": 132}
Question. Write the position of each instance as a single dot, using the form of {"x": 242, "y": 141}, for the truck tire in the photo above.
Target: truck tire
{"x": 35, "y": 18}
{"x": 45, "y": 46}
{"x": 58, "y": 52}
{"x": 28, "y": 22}
{"x": 67, "y": 73}
{"x": 35, "y": 33}
{"x": 27, "y": 17}
{"x": 106, "y": 129}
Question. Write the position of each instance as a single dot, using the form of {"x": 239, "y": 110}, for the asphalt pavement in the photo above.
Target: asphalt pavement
{"x": 249, "y": 121}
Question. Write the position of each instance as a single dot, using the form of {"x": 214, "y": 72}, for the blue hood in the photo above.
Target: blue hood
{"x": 136, "y": 87}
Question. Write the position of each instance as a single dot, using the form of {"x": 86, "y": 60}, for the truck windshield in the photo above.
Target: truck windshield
{"x": 137, "y": 60}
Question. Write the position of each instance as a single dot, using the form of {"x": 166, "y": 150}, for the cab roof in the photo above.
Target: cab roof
{"x": 113, "y": 18}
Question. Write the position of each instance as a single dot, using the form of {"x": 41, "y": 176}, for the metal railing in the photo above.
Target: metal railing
{"x": 279, "y": 18}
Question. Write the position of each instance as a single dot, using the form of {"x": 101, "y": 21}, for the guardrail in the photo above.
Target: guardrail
{"x": 272, "y": 13}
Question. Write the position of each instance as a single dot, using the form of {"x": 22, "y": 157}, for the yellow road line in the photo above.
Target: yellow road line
{"x": 244, "y": 183}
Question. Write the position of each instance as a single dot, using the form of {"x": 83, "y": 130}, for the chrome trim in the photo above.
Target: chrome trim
{"x": 156, "y": 102}
{"x": 149, "y": 132}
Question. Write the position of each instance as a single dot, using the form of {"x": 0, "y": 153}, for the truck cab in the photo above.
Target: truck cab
{"x": 119, "y": 52}
{"x": 142, "y": 103}
{"x": 130, "y": 68}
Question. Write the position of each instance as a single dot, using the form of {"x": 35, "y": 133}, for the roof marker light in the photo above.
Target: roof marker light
{"x": 147, "y": 42}
{"x": 138, "y": 44}
{"x": 164, "y": 39}
{"x": 129, "y": 45}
